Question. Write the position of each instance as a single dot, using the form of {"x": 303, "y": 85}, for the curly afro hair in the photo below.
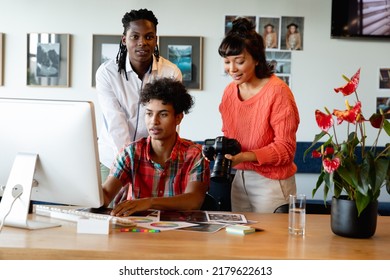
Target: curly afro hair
{"x": 169, "y": 91}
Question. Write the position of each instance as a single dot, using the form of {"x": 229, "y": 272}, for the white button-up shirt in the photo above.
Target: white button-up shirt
{"x": 123, "y": 117}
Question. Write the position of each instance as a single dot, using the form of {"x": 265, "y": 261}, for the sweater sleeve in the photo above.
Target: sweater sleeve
{"x": 284, "y": 120}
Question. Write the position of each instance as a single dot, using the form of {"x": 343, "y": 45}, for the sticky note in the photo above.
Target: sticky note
{"x": 239, "y": 229}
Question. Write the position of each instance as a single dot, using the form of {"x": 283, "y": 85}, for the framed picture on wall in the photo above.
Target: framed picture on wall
{"x": 292, "y": 31}
{"x": 1, "y": 59}
{"x": 104, "y": 47}
{"x": 269, "y": 28}
{"x": 230, "y": 18}
{"x": 281, "y": 64}
{"x": 383, "y": 104}
{"x": 48, "y": 59}
{"x": 384, "y": 78}
{"x": 187, "y": 53}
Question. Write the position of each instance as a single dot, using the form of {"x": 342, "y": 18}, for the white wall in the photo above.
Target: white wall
{"x": 315, "y": 71}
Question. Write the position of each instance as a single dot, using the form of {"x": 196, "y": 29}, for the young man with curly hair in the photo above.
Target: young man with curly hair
{"x": 163, "y": 171}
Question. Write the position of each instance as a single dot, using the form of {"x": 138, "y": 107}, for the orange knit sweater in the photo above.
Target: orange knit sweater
{"x": 265, "y": 124}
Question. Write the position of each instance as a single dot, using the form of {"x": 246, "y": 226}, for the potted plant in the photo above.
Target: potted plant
{"x": 355, "y": 171}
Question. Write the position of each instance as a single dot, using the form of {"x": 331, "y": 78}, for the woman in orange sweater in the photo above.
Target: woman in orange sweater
{"x": 258, "y": 109}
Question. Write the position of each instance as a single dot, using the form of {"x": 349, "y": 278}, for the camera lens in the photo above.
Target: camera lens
{"x": 221, "y": 169}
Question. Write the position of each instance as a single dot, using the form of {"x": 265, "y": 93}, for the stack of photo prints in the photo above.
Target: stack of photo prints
{"x": 196, "y": 220}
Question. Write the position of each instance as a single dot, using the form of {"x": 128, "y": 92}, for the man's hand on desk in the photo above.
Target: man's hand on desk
{"x": 128, "y": 207}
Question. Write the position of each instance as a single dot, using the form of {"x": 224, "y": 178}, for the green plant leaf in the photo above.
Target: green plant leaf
{"x": 361, "y": 202}
{"x": 382, "y": 168}
{"x": 328, "y": 182}
{"x": 315, "y": 141}
{"x": 320, "y": 180}
{"x": 388, "y": 179}
{"x": 367, "y": 175}
{"x": 386, "y": 126}
{"x": 349, "y": 173}
{"x": 352, "y": 142}
{"x": 339, "y": 184}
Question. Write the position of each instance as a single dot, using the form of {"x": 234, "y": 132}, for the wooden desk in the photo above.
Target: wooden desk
{"x": 273, "y": 243}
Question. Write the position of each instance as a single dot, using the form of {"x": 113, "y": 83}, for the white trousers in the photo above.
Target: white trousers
{"x": 252, "y": 192}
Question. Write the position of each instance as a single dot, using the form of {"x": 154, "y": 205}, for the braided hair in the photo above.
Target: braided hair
{"x": 134, "y": 15}
{"x": 243, "y": 36}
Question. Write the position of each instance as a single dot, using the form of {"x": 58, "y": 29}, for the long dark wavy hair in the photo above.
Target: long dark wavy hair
{"x": 134, "y": 15}
{"x": 243, "y": 36}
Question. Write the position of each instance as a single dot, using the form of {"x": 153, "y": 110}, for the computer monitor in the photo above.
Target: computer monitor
{"x": 48, "y": 151}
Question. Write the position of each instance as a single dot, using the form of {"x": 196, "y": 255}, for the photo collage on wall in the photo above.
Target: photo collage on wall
{"x": 281, "y": 34}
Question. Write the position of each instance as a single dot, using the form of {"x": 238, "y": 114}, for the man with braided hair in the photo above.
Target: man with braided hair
{"x": 119, "y": 83}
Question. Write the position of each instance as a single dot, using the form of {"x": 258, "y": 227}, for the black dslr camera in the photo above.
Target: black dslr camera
{"x": 218, "y": 147}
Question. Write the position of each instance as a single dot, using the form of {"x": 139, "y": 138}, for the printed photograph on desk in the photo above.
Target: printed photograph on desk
{"x": 164, "y": 225}
{"x": 144, "y": 217}
{"x": 209, "y": 228}
{"x": 184, "y": 216}
{"x": 225, "y": 217}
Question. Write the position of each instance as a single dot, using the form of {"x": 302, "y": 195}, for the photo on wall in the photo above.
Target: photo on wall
{"x": 109, "y": 51}
{"x": 230, "y": 18}
{"x": 384, "y": 78}
{"x": 383, "y": 104}
{"x": 292, "y": 31}
{"x": 269, "y": 29}
{"x": 181, "y": 55}
{"x": 187, "y": 53}
{"x": 104, "y": 47}
{"x": 48, "y": 59}
{"x": 280, "y": 61}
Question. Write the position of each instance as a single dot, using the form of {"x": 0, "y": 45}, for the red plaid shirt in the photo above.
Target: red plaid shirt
{"x": 146, "y": 178}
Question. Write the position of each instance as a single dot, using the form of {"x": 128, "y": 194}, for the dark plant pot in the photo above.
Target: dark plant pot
{"x": 345, "y": 221}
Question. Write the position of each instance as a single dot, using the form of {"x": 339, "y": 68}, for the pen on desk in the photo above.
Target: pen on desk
{"x": 139, "y": 230}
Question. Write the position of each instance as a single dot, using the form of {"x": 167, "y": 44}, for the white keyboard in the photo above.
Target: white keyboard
{"x": 73, "y": 214}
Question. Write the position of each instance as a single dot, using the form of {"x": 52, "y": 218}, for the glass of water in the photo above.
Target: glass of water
{"x": 297, "y": 214}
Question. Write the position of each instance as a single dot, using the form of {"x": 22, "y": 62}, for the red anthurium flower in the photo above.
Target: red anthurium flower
{"x": 324, "y": 121}
{"x": 316, "y": 154}
{"x": 351, "y": 86}
{"x": 350, "y": 115}
{"x": 329, "y": 151}
{"x": 331, "y": 165}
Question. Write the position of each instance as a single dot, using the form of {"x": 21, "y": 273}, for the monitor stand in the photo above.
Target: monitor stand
{"x": 15, "y": 202}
